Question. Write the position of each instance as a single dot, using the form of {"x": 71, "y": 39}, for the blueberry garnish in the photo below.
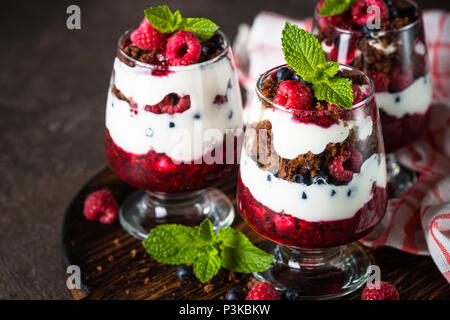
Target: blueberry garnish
{"x": 269, "y": 178}
{"x": 304, "y": 196}
{"x": 284, "y": 74}
{"x": 291, "y": 294}
{"x": 149, "y": 132}
{"x": 397, "y": 99}
{"x": 320, "y": 178}
{"x": 184, "y": 272}
{"x": 197, "y": 116}
{"x": 234, "y": 294}
{"x": 211, "y": 46}
{"x": 299, "y": 178}
{"x": 171, "y": 124}
{"x": 333, "y": 193}
{"x": 230, "y": 114}
{"x": 217, "y": 39}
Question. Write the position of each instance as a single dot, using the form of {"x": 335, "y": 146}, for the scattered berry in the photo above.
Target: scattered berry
{"x": 284, "y": 74}
{"x": 213, "y": 45}
{"x": 360, "y": 15}
{"x": 148, "y": 38}
{"x": 380, "y": 80}
{"x": 386, "y": 292}
{"x": 183, "y": 48}
{"x": 184, "y": 272}
{"x": 294, "y": 95}
{"x": 172, "y": 103}
{"x": 234, "y": 294}
{"x": 101, "y": 206}
{"x": 291, "y": 294}
{"x": 263, "y": 291}
{"x": 401, "y": 78}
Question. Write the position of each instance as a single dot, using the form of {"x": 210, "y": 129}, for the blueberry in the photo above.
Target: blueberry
{"x": 234, "y": 294}
{"x": 333, "y": 193}
{"x": 217, "y": 39}
{"x": 304, "y": 196}
{"x": 284, "y": 74}
{"x": 291, "y": 294}
{"x": 269, "y": 178}
{"x": 320, "y": 178}
{"x": 299, "y": 178}
{"x": 197, "y": 116}
{"x": 397, "y": 99}
{"x": 149, "y": 132}
{"x": 171, "y": 124}
{"x": 184, "y": 272}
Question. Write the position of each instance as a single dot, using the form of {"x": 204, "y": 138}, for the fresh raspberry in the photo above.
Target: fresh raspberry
{"x": 183, "y": 48}
{"x": 263, "y": 291}
{"x": 380, "y": 80}
{"x": 284, "y": 224}
{"x": 172, "y": 103}
{"x": 318, "y": 117}
{"x": 357, "y": 94}
{"x": 294, "y": 94}
{"x": 101, "y": 206}
{"x": 360, "y": 15}
{"x": 386, "y": 292}
{"x": 148, "y": 38}
{"x": 401, "y": 78}
{"x": 326, "y": 23}
{"x": 337, "y": 168}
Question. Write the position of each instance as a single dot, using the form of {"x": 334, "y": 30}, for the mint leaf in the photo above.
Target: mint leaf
{"x": 172, "y": 243}
{"x": 206, "y": 231}
{"x": 325, "y": 71}
{"x": 335, "y": 7}
{"x": 335, "y": 90}
{"x": 207, "y": 263}
{"x": 240, "y": 255}
{"x": 203, "y": 28}
{"x": 302, "y": 51}
{"x": 162, "y": 19}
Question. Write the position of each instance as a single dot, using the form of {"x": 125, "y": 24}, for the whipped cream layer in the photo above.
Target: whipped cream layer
{"x": 180, "y": 135}
{"x": 414, "y": 99}
{"x": 292, "y": 138}
{"x": 321, "y": 203}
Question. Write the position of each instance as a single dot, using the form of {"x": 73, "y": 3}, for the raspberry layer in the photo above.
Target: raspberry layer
{"x": 157, "y": 172}
{"x": 288, "y": 230}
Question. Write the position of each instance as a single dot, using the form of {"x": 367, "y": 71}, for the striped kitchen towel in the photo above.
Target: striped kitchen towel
{"x": 418, "y": 222}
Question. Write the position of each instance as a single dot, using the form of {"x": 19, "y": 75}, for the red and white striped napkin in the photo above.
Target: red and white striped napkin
{"x": 419, "y": 222}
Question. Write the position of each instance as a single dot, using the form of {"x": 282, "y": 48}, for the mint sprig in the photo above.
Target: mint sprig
{"x": 334, "y": 7}
{"x": 163, "y": 20}
{"x": 303, "y": 53}
{"x": 208, "y": 252}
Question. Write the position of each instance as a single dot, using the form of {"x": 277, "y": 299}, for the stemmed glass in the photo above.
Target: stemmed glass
{"x": 175, "y": 157}
{"x": 396, "y": 58}
{"x": 287, "y": 194}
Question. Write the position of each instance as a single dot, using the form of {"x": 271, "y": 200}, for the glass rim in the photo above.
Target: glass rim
{"x": 382, "y": 33}
{"x": 224, "y": 53}
{"x": 356, "y": 106}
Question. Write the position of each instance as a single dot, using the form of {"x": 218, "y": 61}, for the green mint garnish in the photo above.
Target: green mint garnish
{"x": 335, "y": 7}
{"x": 163, "y": 20}
{"x": 303, "y": 53}
{"x": 208, "y": 252}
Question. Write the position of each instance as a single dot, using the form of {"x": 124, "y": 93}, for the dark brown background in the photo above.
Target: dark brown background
{"x": 53, "y": 84}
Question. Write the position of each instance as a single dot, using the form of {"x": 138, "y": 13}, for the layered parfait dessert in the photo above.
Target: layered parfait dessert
{"x": 173, "y": 97}
{"x": 312, "y": 173}
{"x": 386, "y": 40}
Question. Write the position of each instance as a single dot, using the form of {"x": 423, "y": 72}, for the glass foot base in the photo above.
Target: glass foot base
{"x": 144, "y": 210}
{"x": 399, "y": 177}
{"x": 317, "y": 274}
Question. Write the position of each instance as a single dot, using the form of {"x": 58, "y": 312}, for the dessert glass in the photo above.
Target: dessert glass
{"x": 397, "y": 61}
{"x": 287, "y": 194}
{"x": 175, "y": 159}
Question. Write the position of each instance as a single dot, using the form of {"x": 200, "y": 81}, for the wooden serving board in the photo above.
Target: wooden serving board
{"x": 114, "y": 265}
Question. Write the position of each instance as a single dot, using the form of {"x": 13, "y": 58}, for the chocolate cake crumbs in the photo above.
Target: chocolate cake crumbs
{"x": 208, "y": 288}
{"x": 99, "y": 268}
{"x": 116, "y": 241}
{"x": 146, "y": 280}
{"x": 133, "y": 254}
{"x": 110, "y": 258}
{"x": 269, "y": 89}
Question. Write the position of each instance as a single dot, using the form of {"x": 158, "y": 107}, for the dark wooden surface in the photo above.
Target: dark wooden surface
{"x": 53, "y": 91}
{"x": 110, "y": 270}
